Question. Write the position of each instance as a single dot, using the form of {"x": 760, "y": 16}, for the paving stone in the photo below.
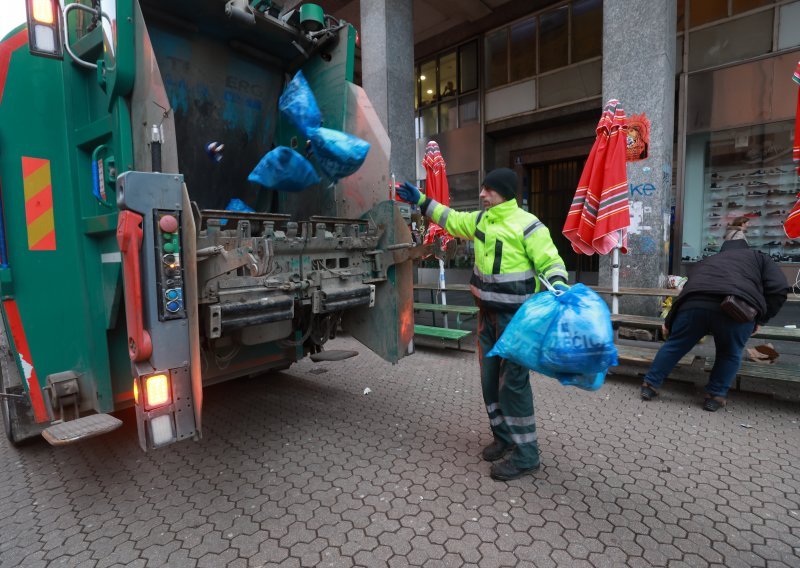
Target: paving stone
{"x": 301, "y": 469}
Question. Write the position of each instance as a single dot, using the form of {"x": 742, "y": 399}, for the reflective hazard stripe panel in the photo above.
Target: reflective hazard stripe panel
{"x": 503, "y": 291}
{"x": 529, "y": 438}
{"x": 531, "y": 228}
{"x": 556, "y": 271}
{"x": 520, "y": 420}
{"x": 25, "y": 360}
{"x": 36, "y": 181}
{"x": 495, "y": 414}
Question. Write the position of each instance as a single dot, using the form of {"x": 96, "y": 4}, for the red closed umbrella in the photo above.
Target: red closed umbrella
{"x": 792, "y": 224}
{"x": 437, "y": 188}
{"x": 599, "y": 216}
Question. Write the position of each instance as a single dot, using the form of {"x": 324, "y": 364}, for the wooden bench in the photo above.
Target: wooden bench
{"x": 775, "y": 333}
{"x": 463, "y": 313}
{"x": 441, "y": 333}
{"x": 788, "y": 372}
{"x": 645, "y": 355}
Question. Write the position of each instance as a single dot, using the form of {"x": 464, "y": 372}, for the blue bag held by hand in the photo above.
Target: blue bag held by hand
{"x": 581, "y": 339}
{"x": 579, "y": 347}
{"x": 283, "y": 169}
{"x": 338, "y": 154}
{"x": 522, "y": 340}
{"x": 297, "y": 103}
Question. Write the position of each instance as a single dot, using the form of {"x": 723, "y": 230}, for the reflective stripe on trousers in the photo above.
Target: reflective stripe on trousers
{"x": 506, "y": 392}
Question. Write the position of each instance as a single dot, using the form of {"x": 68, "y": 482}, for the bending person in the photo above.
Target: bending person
{"x": 749, "y": 275}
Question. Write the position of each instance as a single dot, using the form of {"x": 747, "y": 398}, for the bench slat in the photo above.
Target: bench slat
{"x": 470, "y": 310}
{"x": 447, "y": 288}
{"x": 440, "y": 332}
{"x": 776, "y": 371}
{"x": 630, "y": 354}
{"x": 766, "y": 332}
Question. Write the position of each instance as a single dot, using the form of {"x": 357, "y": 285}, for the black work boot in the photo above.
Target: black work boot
{"x": 714, "y": 403}
{"x": 495, "y": 450}
{"x": 506, "y": 471}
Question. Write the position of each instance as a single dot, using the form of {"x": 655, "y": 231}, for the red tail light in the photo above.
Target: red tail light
{"x": 44, "y": 28}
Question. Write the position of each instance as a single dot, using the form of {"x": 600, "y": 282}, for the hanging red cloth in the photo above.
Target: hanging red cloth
{"x": 437, "y": 188}
{"x": 599, "y": 215}
{"x": 792, "y": 224}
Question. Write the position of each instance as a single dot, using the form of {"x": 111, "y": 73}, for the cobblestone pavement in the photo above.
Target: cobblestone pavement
{"x": 302, "y": 469}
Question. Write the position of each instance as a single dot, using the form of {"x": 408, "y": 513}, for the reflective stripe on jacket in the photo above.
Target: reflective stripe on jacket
{"x": 511, "y": 247}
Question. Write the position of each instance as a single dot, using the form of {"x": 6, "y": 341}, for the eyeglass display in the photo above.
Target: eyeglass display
{"x": 741, "y": 177}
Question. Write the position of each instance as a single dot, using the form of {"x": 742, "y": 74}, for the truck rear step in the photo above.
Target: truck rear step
{"x": 80, "y": 429}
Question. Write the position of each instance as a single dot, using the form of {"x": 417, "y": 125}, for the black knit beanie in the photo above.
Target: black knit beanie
{"x": 503, "y": 181}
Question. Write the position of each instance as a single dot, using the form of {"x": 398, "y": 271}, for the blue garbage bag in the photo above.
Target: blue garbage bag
{"x": 567, "y": 337}
{"x": 283, "y": 169}
{"x": 522, "y": 340}
{"x": 236, "y": 204}
{"x": 580, "y": 339}
{"x": 338, "y": 154}
{"x": 297, "y": 103}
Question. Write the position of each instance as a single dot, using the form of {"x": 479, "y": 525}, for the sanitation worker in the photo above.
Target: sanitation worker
{"x": 512, "y": 247}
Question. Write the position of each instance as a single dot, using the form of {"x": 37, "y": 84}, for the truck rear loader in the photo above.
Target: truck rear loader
{"x": 124, "y": 279}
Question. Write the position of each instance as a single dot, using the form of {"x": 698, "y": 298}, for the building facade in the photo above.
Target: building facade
{"x": 525, "y": 87}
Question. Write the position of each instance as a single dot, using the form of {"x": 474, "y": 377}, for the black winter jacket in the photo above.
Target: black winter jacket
{"x": 741, "y": 271}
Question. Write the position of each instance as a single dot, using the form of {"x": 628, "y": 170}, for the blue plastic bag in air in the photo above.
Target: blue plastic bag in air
{"x": 236, "y": 204}
{"x": 525, "y": 334}
{"x": 580, "y": 339}
{"x": 297, "y": 103}
{"x": 283, "y": 169}
{"x": 338, "y": 154}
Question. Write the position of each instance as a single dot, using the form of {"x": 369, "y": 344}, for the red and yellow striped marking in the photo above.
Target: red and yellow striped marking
{"x": 28, "y": 370}
{"x": 37, "y": 184}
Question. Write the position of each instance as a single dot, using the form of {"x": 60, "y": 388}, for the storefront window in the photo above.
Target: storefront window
{"x": 587, "y": 29}
{"x": 740, "y": 6}
{"x": 443, "y": 105}
{"x": 713, "y": 46}
{"x": 788, "y": 30}
{"x": 553, "y": 39}
{"x": 496, "y": 61}
{"x": 706, "y": 11}
{"x": 447, "y": 75}
{"x": 468, "y": 63}
{"x": 448, "y": 119}
{"x": 427, "y": 82}
{"x": 428, "y": 122}
{"x": 742, "y": 172}
{"x": 523, "y": 49}
{"x": 468, "y": 109}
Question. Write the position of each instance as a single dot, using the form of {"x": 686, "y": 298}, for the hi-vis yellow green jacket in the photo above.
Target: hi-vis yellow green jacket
{"x": 511, "y": 247}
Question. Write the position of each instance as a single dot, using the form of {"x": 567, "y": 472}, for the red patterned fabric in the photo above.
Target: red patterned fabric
{"x": 792, "y": 224}
{"x": 599, "y": 215}
{"x": 437, "y": 188}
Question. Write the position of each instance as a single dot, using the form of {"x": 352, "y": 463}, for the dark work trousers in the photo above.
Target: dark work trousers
{"x": 507, "y": 392}
{"x": 689, "y": 327}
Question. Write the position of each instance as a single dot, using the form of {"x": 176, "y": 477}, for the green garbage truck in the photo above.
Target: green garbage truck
{"x": 126, "y": 129}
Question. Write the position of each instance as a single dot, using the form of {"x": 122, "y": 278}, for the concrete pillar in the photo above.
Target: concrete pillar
{"x": 387, "y": 72}
{"x": 639, "y": 70}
